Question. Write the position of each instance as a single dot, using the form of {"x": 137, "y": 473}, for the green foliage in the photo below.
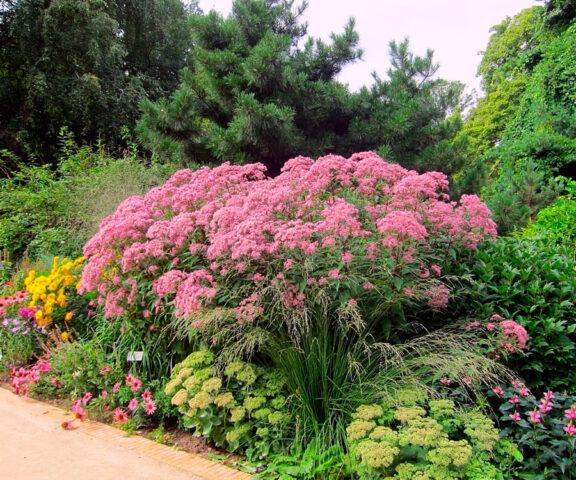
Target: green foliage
{"x": 85, "y": 65}
{"x": 77, "y": 367}
{"x": 46, "y": 211}
{"x": 533, "y": 282}
{"x": 433, "y": 440}
{"x": 558, "y": 220}
{"x": 243, "y": 408}
{"x": 521, "y": 134}
{"x": 16, "y": 348}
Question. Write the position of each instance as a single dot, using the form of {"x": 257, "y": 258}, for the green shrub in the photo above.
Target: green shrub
{"x": 243, "y": 408}
{"x": 54, "y": 211}
{"x": 430, "y": 440}
{"x": 533, "y": 282}
{"x": 557, "y": 221}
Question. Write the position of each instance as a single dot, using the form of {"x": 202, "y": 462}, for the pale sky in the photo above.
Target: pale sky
{"x": 457, "y": 31}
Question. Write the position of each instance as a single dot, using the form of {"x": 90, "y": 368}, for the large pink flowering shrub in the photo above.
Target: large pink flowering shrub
{"x": 357, "y": 231}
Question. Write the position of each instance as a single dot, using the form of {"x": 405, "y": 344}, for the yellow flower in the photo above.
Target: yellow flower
{"x": 39, "y": 315}
{"x": 68, "y": 316}
{"x": 64, "y": 336}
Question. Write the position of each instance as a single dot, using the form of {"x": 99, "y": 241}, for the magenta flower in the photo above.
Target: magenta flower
{"x": 515, "y": 417}
{"x": 498, "y": 391}
{"x": 146, "y": 395}
{"x": 86, "y": 398}
{"x": 524, "y": 392}
{"x": 149, "y": 407}
{"x": 570, "y": 430}
{"x": 116, "y": 387}
{"x": 570, "y": 414}
{"x": 120, "y": 416}
{"x": 514, "y": 399}
{"x": 535, "y": 416}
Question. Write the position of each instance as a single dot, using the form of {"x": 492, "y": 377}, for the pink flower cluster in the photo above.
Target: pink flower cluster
{"x": 201, "y": 227}
{"x": 21, "y": 378}
{"x": 511, "y": 336}
{"x": 15, "y": 299}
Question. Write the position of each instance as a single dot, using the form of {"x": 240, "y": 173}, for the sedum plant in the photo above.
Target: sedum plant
{"x": 426, "y": 441}
{"x": 242, "y": 408}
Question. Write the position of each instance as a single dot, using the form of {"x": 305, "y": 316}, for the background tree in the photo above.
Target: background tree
{"x": 257, "y": 90}
{"x": 84, "y": 64}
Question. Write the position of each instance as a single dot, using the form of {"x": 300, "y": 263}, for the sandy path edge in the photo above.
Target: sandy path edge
{"x": 33, "y": 446}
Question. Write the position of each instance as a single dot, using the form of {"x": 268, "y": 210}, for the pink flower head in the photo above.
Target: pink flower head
{"x": 535, "y": 416}
{"x": 347, "y": 257}
{"x": 496, "y": 318}
{"x": 517, "y": 384}
{"x": 288, "y": 264}
{"x": 490, "y": 327}
{"x": 133, "y": 404}
{"x": 367, "y": 286}
{"x": 570, "y": 430}
{"x": 86, "y": 398}
{"x": 514, "y": 399}
{"x": 149, "y": 407}
{"x": 334, "y": 273}
{"x": 146, "y": 395}
{"x": 545, "y": 406}
{"x": 43, "y": 366}
{"x": 524, "y": 392}
{"x": 352, "y": 302}
{"x": 467, "y": 381}
{"x": 548, "y": 395}
{"x": 436, "y": 270}
{"x": 570, "y": 414}
{"x": 498, "y": 391}
{"x": 445, "y": 381}
{"x": 116, "y": 387}
{"x": 515, "y": 417}
{"x": 103, "y": 394}
{"x": 120, "y": 416}
{"x": 105, "y": 369}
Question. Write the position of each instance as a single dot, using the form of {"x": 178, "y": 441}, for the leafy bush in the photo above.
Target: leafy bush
{"x": 544, "y": 429}
{"x": 534, "y": 282}
{"x": 434, "y": 441}
{"x": 558, "y": 220}
{"x": 242, "y": 408}
{"x": 54, "y": 211}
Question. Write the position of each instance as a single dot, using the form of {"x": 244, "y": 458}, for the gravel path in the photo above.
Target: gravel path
{"x": 33, "y": 446}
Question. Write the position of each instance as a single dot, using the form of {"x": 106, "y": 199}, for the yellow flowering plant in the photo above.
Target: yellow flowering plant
{"x": 426, "y": 440}
{"x": 53, "y": 296}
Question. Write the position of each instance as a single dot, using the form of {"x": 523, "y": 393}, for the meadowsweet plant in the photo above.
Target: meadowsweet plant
{"x": 426, "y": 440}
{"x": 543, "y": 426}
{"x": 243, "y": 408}
{"x": 357, "y": 234}
{"x": 505, "y": 336}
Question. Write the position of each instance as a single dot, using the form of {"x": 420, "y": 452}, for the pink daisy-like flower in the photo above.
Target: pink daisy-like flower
{"x": 146, "y": 395}
{"x": 515, "y": 417}
{"x": 149, "y": 407}
{"x": 86, "y": 398}
{"x": 116, "y": 388}
{"x": 136, "y": 385}
{"x": 120, "y": 416}
{"x": 133, "y": 405}
{"x": 535, "y": 416}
